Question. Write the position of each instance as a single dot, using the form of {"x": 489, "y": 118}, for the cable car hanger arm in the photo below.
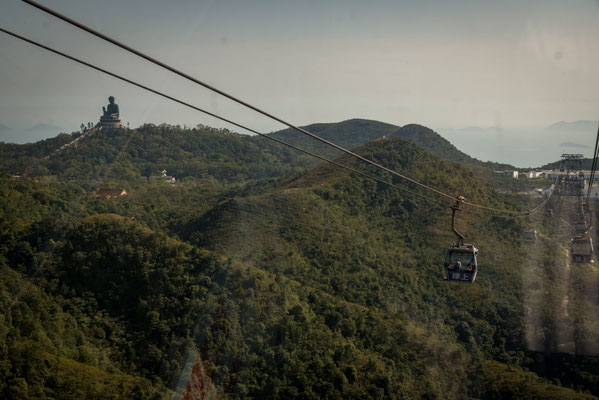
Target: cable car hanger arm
{"x": 455, "y": 208}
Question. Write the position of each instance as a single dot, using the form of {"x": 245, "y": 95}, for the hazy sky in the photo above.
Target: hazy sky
{"x": 443, "y": 64}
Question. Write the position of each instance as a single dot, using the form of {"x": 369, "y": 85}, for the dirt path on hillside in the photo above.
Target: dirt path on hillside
{"x": 564, "y": 335}
{"x": 534, "y": 290}
{"x": 74, "y": 141}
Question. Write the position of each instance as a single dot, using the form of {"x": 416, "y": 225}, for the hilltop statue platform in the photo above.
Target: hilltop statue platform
{"x": 110, "y": 117}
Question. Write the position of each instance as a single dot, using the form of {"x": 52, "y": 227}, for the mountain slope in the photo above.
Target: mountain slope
{"x": 378, "y": 248}
{"x": 349, "y": 134}
{"x": 208, "y": 154}
{"x": 587, "y": 164}
{"x": 319, "y": 284}
{"x": 201, "y": 152}
{"x": 356, "y": 132}
{"x": 126, "y": 155}
{"x": 328, "y": 217}
{"x": 322, "y": 285}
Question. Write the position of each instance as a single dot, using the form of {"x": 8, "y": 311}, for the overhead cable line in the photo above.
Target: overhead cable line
{"x": 219, "y": 117}
{"x": 527, "y": 212}
{"x": 252, "y": 107}
{"x": 593, "y": 168}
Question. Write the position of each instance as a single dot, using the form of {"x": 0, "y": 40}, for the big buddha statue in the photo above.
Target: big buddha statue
{"x": 110, "y": 115}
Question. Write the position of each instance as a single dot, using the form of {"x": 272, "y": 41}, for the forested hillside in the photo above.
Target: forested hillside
{"x": 127, "y": 155}
{"x": 207, "y": 153}
{"x": 260, "y": 274}
{"x": 586, "y": 164}
{"x": 349, "y": 134}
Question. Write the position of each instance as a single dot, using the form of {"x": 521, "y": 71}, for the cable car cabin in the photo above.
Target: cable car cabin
{"x": 581, "y": 249}
{"x": 461, "y": 263}
{"x": 580, "y": 228}
{"x": 530, "y": 236}
{"x": 549, "y": 213}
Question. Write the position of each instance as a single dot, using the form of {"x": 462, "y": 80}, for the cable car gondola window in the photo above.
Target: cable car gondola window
{"x": 461, "y": 263}
{"x": 530, "y": 236}
{"x": 466, "y": 258}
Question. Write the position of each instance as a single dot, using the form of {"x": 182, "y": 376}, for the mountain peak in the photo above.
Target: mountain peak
{"x": 574, "y": 126}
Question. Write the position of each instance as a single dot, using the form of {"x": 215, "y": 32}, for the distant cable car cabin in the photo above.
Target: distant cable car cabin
{"x": 580, "y": 228}
{"x": 581, "y": 249}
{"x": 530, "y": 236}
{"x": 461, "y": 261}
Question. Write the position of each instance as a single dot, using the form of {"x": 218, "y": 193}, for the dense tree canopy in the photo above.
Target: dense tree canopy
{"x": 262, "y": 275}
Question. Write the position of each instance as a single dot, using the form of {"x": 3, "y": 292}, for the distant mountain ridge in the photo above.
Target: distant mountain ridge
{"x": 565, "y": 126}
{"x": 357, "y": 132}
{"x": 204, "y": 152}
{"x": 586, "y": 164}
{"x": 350, "y": 134}
{"x": 438, "y": 146}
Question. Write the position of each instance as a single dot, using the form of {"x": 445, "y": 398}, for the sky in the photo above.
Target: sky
{"x": 507, "y": 68}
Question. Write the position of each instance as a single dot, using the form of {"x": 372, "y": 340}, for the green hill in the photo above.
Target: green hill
{"x": 436, "y": 145}
{"x": 279, "y": 281}
{"x": 356, "y": 132}
{"x": 376, "y": 247}
{"x": 206, "y": 153}
{"x": 349, "y": 134}
{"x": 203, "y": 153}
{"x": 586, "y": 164}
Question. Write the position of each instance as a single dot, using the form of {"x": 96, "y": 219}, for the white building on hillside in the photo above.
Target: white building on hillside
{"x": 513, "y": 174}
{"x": 163, "y": 177}
{"x": 532, "y": 174}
